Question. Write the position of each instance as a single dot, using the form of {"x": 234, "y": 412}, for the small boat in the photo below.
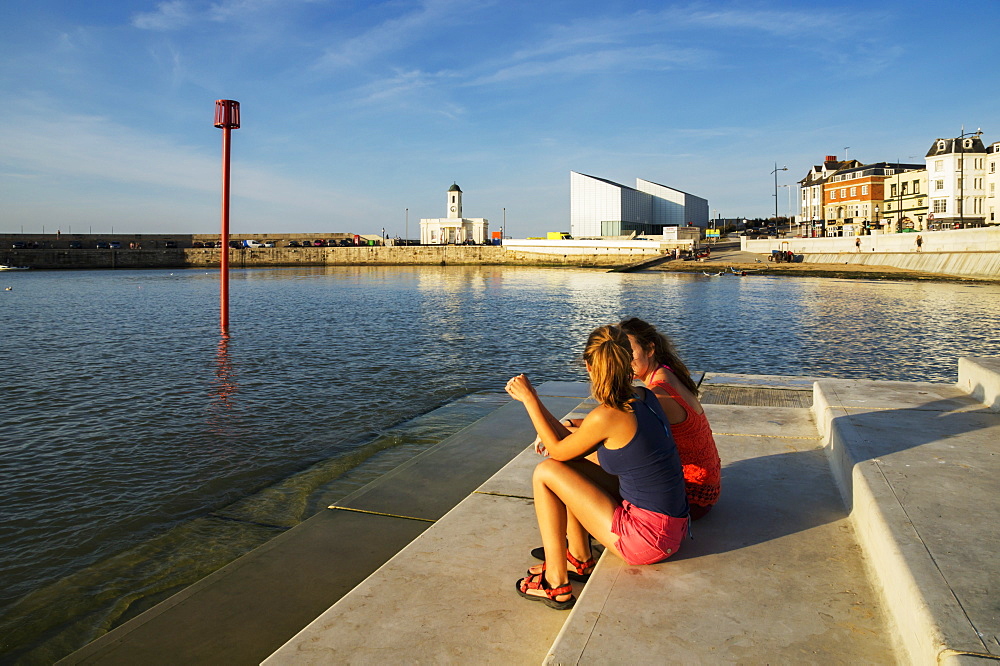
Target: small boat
{"x": 5, "y": 267}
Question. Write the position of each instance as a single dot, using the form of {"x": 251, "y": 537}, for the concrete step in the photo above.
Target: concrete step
{"x": 918, "y": 464}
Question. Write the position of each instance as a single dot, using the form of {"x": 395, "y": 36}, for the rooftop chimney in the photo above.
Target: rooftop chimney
{"x": 831, "y": 158}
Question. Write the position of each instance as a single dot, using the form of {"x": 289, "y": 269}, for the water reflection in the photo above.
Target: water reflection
{"x": 224, "y": 388}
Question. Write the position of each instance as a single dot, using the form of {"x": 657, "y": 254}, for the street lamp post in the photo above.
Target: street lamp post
{"x": 775, "y": 173}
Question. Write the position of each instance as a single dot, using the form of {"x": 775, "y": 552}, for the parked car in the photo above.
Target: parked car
{"x": 319, "y": 242}
{"x": 115, "y": 245}
{"x": 346, "y": 242}
{"x": 75, "y": 245}
{"x": 18, "y": 245}
{"x": 101, "y": 245}
{"x": 169, "y": 243}
{"x": 235, "y": 244}
{"x": 252, "y": 243}
{"x": 268, "y": 244}
{"x": 293, "y": 244}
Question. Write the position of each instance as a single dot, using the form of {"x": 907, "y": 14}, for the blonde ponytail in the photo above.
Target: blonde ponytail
{"x": 609, "y": 356}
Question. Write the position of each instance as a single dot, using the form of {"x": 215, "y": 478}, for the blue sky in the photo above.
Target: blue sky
{"x": 353, "y": 112}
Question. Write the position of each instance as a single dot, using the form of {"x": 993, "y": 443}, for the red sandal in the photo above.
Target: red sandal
{"x": 549, "y": 594}
{"x": 577, "y": 570}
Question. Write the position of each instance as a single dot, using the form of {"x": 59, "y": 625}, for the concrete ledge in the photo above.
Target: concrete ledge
{"x": 980, "y": 378}
{"x": 917, "y": 465}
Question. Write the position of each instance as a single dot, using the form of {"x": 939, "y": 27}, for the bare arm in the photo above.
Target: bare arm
{"x": 558, "y": 440}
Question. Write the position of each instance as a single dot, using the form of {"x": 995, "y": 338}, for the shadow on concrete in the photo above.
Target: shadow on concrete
{"x": 772, "y": 496}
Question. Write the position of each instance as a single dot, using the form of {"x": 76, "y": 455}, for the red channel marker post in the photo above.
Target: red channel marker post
{"x": 227, "y": 118}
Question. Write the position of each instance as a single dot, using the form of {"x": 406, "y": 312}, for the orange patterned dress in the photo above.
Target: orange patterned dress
{"x": 699, "y": 455}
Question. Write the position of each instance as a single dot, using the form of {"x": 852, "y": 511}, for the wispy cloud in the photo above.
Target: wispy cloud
{"x": 411, "y": 90}
{"x": 644, "y": 40}
{"x": 604, "y": 60}
{"x": 395, "y": 33}
{"x": 168, "y": 16}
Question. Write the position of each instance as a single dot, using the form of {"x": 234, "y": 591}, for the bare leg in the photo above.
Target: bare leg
{"x": 577, "y": 538}
{"x": 558, "y": 488}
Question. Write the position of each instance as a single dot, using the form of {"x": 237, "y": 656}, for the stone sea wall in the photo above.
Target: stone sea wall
{"x": 447, "y": 255}
{"x": 973, "y": 253}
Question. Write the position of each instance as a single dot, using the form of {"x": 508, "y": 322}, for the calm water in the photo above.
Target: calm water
{"x": 140, "y": 451}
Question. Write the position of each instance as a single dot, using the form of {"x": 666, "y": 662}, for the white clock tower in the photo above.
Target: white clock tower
{"x": 455, "y": 229}
{"x": 454, "y": 202}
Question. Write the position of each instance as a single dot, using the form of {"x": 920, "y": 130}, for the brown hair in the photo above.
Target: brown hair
{"x": 609, "y": 355}
{"x": 663, "y": 351}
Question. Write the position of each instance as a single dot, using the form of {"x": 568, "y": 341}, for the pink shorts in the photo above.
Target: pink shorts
{"x": 646, "y": 537}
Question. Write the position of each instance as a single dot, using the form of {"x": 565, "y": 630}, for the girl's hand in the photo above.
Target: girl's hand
{"x": 520, "y": 388}
{"x": 539, "y": 447}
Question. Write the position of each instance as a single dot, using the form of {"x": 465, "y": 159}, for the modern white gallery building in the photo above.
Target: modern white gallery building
{"x": 600, "y": 207}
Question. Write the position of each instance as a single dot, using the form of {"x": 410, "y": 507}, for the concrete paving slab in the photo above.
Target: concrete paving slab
{"x": 773, "y": 575}
{"x": 515, "y": 478}
{"x": 867, "y": 395}
{"x": 430, "y": 484}
{"x": 773, "y": 422}
{"x": 448, "y": 597}
{"x": 758, "y": 381}
{"x": 921, "y": 482}
{"x": 564, "y": 389}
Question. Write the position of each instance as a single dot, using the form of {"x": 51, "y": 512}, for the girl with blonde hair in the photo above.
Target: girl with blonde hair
{"x": 634, "y": 503}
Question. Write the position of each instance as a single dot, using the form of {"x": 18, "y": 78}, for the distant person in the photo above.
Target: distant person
{"x": 644, "y": 516}
{"x": 920, "y": 242}
{"x": 857, "y": 244}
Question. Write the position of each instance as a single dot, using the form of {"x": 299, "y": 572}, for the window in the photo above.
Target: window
{"x": 961, "y": 184}
{"x": 978, "y": 183}
{"x": 961, "y": 161}
{"x": 938, "y": 184}
{"x": 916, "y": 187}
{"x": 993, "y": 167}
{"x": 939, "y": 165}
{"x": 854, "y": 191}
{"x": 993, "y": 188}
{"x": 843, "y": 192}
{"x": 892, "y": 189}
{"x": 940, "y": 205}
{"x": 903, "y": 188}
{"x": 864, "y": 189}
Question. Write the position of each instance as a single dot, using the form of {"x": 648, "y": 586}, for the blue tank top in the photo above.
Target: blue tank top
{"x": 648, "y": 468}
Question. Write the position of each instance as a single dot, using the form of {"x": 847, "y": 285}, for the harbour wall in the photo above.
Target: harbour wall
{"x": 973, "y": 253}
{"x": 422, "y": 255}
